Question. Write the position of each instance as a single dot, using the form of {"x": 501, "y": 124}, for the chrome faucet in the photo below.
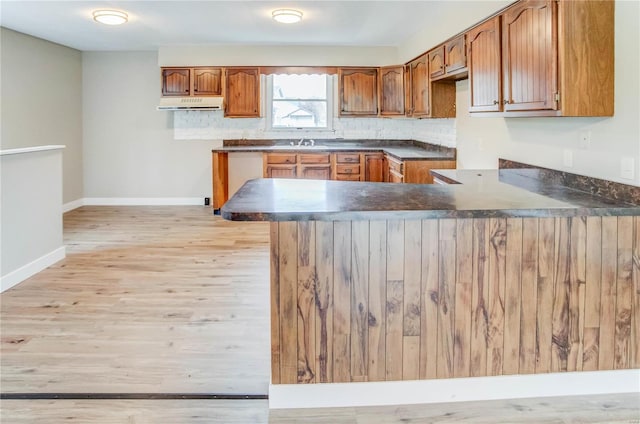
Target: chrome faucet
{"x": 300, "y": 142}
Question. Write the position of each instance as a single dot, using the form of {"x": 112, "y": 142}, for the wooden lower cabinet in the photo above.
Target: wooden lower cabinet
{"x": 373, "y": 167}
{"x": 487, "y": 297}
{"x": 281, "y": 171}
{"x": 315, "y": 172}
{"x": 413, "y": 171}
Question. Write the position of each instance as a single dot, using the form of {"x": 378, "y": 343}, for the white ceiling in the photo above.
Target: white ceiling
{"x": 165, "y": 23}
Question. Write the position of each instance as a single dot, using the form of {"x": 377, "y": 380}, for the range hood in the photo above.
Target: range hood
{"x": 191, "y": 103}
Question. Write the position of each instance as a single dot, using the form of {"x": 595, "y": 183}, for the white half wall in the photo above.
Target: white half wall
{"x": 543, "y": 141}
{"x": 31, "y": 213}
{"x": 42, "y": 101}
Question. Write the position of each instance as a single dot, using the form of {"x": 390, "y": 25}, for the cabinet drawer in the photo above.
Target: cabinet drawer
{"x": 347, "y": 158}
{"x": 281, "y": 158}
{"x": 347, "y": 169}
{"x": 395, "y": 165}
{"x": 348, "y": 177}
{"x": 314, "y": 158}
{"x": 394, "y": 177}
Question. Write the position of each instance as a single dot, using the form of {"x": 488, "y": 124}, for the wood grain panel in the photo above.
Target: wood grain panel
{"x": 288, "y": 272}
{"x": 528, "y": 296}
{"x": 242, "y": 92}
{"x": 446, "y": 297}
{"x": 513, "y": 273}
{"x": 391, "y": 89}
{"x": 395, "y": 295}
{"x": 341, "y": 301}
{"x": 624, "y": 293}
{"x": 463, "y": 305}
{"x": 403, "y": 300}
{"x": 377, "y": 300}
{"x": 485, "y": 66}
{"x": 220, "y": 178}
{"x": 307, "y": 282}
{"x": 480, "y": 297}
{"x": 546, "y": 289}
{"x": 635, "y": 324}
{"x": 358, "y": 89}
{"x": 324, "y": 301}
{"x": 497, "y": 282}
{"x": 429, "y": 299}
{"x": 275, "y": 302}
{"x": 593, "y": 275}
{"x": 359, "y": 300}
{"x": 608, "y": 292}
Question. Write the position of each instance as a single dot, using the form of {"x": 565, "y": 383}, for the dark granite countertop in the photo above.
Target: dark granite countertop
{"x": 479, "y": 196}
{"x": 400, "y": 149}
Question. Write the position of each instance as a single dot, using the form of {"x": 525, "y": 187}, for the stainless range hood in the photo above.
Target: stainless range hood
{"x": 191, "y": 103}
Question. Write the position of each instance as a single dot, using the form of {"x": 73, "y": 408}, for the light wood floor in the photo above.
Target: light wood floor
{"x": 172, "y": 299}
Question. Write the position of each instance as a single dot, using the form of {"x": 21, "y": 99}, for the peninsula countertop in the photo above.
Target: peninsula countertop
{"x": 400, "y": 149}
{"x": 482, "y": 195}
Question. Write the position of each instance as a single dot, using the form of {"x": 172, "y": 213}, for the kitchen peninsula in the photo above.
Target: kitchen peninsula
{"x": 520, "y": 270}
{"x": 398, "y": 161}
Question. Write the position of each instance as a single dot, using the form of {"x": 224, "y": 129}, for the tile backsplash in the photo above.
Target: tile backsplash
{"x": 212, "y": 125}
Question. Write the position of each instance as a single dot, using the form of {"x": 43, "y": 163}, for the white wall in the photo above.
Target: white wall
{"x": 235, "y": 55}
{"x": 41, "y": 101}
{"x": 31, "y": 222}
{"x": 129, "y": 150}
{"x": 542, "y": 141}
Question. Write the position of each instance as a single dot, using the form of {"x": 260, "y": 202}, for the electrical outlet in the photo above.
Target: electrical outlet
{"x": 207, "y": 201}
{"x": 627, "y": 168}
{"x": 568, "y": 158}
{"x": 584, "y": 140}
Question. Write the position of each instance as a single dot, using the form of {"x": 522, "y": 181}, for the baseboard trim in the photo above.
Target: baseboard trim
{"x": 32, "y": 268}
{"x": 323, "y": 395}
{"x": 143, "y": 201}
{"x": 75, "y": 204}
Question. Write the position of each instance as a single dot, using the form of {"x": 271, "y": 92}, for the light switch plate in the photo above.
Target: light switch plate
{"x": 627, "y": 165}
{"x": 568, "y": 158}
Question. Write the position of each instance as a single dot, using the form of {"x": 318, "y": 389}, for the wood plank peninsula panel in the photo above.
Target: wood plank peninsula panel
{"x": 442, "y": 298}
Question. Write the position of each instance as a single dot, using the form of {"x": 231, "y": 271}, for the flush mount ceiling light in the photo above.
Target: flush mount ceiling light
{"x": 110, "y": 17}
{"x": 287, "y": 16}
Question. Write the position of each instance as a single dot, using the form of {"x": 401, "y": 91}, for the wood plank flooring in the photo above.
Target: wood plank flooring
{"x": 149, "y": 299}
{"x": 172, "y": 299}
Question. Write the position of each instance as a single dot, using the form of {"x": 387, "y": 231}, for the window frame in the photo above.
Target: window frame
{"x": 269, "y": 108}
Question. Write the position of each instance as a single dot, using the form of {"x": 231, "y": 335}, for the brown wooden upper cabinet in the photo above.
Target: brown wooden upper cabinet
{"x": 448, "y": 59}
{"x": 207, "y": 81}
{"x": 201, "y": 81}
{"x": 358, "y": 88}
{"x": 176, "y": 81}
{"x": 419, "y": 87}
{"x": 485, "y": 67}
{"x": 391, "y": 88}
{"x": 242, "y": 92}
{"x": 557, "y": 60}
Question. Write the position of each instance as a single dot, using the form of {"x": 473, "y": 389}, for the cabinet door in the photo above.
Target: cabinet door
{"x": 242, "y": 92}
{"x": 394, "y": 177}
{"x": 176, "y": 82}
{"x": 455, "y": 55}
{"x": 420, "y": 87}
{"x": 436, "y": 62}
{"x": 280, "y": 171}
{"x": 207, "y": 81}
{"x": 358, "y": 91}
{"x": 529, "y": 32}
{"x": 315, "y": 172}
{"x": 373, "y": 168}
{"x": 485, "y": 64}
{"x": 392, "y": 91}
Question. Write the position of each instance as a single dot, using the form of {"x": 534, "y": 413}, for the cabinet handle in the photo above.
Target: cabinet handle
{"x": 495, "y": 102}
{"x": 505, "y": 102}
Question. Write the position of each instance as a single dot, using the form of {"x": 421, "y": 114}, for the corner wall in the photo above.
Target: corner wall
{"x": 42, "y": 101}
